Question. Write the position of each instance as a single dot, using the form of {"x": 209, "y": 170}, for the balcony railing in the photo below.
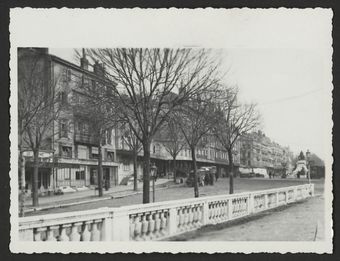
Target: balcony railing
{"x": 155, "y": 221}
{"x": 86, "y": 138}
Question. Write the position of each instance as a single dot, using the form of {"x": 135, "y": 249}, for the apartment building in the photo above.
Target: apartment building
{"x": 69, "y": 156}
{"x": 258, "y": 151}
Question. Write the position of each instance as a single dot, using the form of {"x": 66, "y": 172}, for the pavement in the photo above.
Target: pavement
{"x": 90, "y": 195}
{"x": 301, "y": 221}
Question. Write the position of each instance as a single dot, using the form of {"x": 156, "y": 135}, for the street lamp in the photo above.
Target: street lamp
{"x": 153, "y": 176}
{"x": 308, "y": 164}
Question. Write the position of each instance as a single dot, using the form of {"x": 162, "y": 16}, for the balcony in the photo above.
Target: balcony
{"x": 85, "y": 138}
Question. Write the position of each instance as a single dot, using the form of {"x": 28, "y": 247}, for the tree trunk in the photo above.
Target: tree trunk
{"x": 146, "y": 172}
{"x": 196, "y": 192}
{"x": 174, "y": 167}
{"x": 100, "y": 169}
{"x": 35, "y": 181}
{"x": 231, "y": 172}
{"x": 21, "y": 180}
{"x": 135, "y": 177}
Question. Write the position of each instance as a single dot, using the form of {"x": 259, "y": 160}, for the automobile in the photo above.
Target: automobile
{"x": 64, "y": 189}
{"x": 201, "y": 176}
{"x": 249, "y": 175}
{"x": 83, "y": 188}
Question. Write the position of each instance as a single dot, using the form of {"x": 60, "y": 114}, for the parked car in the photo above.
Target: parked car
{"x": 249, "y": 175}
{"x": 201, "y": 176}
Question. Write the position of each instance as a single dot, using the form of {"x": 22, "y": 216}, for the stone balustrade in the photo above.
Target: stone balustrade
{"x": 155, "y": 221}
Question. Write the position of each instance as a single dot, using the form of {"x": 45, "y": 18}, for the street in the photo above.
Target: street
{"x": 303, "y": 221}
{"x": 182, "y": 192}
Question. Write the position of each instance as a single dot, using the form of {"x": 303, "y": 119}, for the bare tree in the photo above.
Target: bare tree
{"x": 172, "y": 140}
{"x": 135, "y": 146}
{"x": 234, "y": 120}
{"x": 196, "y": 120}
{"x": 151, "y": 83}
{"x": 37, "y": 109}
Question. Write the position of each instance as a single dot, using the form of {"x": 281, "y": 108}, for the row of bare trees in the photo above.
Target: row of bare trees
{"x": 143, "y": 92}
{"x": 176, "y": 92}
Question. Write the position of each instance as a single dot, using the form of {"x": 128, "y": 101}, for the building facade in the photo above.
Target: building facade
{"x": 70, "y": 153}
{"x": 259, "y": 152}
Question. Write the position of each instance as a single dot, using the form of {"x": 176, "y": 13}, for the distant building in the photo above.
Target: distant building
{"x": 257, "y": 151}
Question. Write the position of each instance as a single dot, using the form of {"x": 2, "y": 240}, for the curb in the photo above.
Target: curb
{"x": 30, "y": 210}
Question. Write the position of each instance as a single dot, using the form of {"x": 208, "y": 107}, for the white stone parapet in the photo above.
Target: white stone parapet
{"x": 155, "y": 221}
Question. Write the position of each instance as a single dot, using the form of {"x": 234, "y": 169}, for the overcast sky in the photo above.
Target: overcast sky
{"x": 280, "y": 58}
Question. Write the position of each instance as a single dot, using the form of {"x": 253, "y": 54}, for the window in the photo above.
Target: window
{"x": 66, "y": 151}
{"x": 110, "y": 156}
{"x": 154, "y": 149}
{"x": 67, "y": 75}
{"x": 63, "y": 129}
{"x": 94, "y": 153}
{"x": 80, "y": 175}
{"x": 109, "y": 136}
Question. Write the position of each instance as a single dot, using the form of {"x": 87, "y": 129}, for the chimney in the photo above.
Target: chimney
{"x": 84, "y": 63}
{"x": 98, "y": 69}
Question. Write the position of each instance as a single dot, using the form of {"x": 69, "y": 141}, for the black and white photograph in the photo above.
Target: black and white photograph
{"x": 171, "y": 130}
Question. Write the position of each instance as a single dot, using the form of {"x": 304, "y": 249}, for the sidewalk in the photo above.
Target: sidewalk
{"x": 90, "y": 195}
{"x": 302, "y": 221}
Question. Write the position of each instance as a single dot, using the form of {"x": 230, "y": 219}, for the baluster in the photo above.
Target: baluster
{"x": 215, "y": 212}
{"x": 50, "y": 233}
{"x": 186, "y": 219}
{"x": 145, "y": 225}
{"x": 236, "y": 205}
{"x": 163, "y": 223}
{"x": 95, "y": 232}
{"x": 210, "y": 211}
{"x": 192, "y": 218}
{"x": 75, "y": 236}
{"x": 195, "y": 216}
{"x": 220, "y": 211}
{"x": 182, "y": 219}
{"x": 157, "y": 225}
{"x": 223, "y": 210}
{"x": 151, "y": 227}
{"x": 132, "y": 226}
{"x": 178, "y": 219}
{"x": 199, "y": 215}
{"x": 86, "y": 234}
{"x": 37, "y": 233}
{"x": 138, "y": 228}
{"x": 63, "y": 233}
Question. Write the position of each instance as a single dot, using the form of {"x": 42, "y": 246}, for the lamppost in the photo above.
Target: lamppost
{"x": 308, "y": 164}
{"x": 153, "y": 176}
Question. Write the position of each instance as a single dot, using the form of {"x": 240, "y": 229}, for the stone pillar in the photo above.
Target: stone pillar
{"x": 230, "y": 209}
{"x": 120, "y": 226}
{"x": 106, "y": 231}
{"x": 205, "y": 219}
{"x": 251, "y": 203}
{"x": 26, "y": 235}
{"x": 266, "y": 201}
{"x": 312, "y": 189}
{"x": 172, "y": 221}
